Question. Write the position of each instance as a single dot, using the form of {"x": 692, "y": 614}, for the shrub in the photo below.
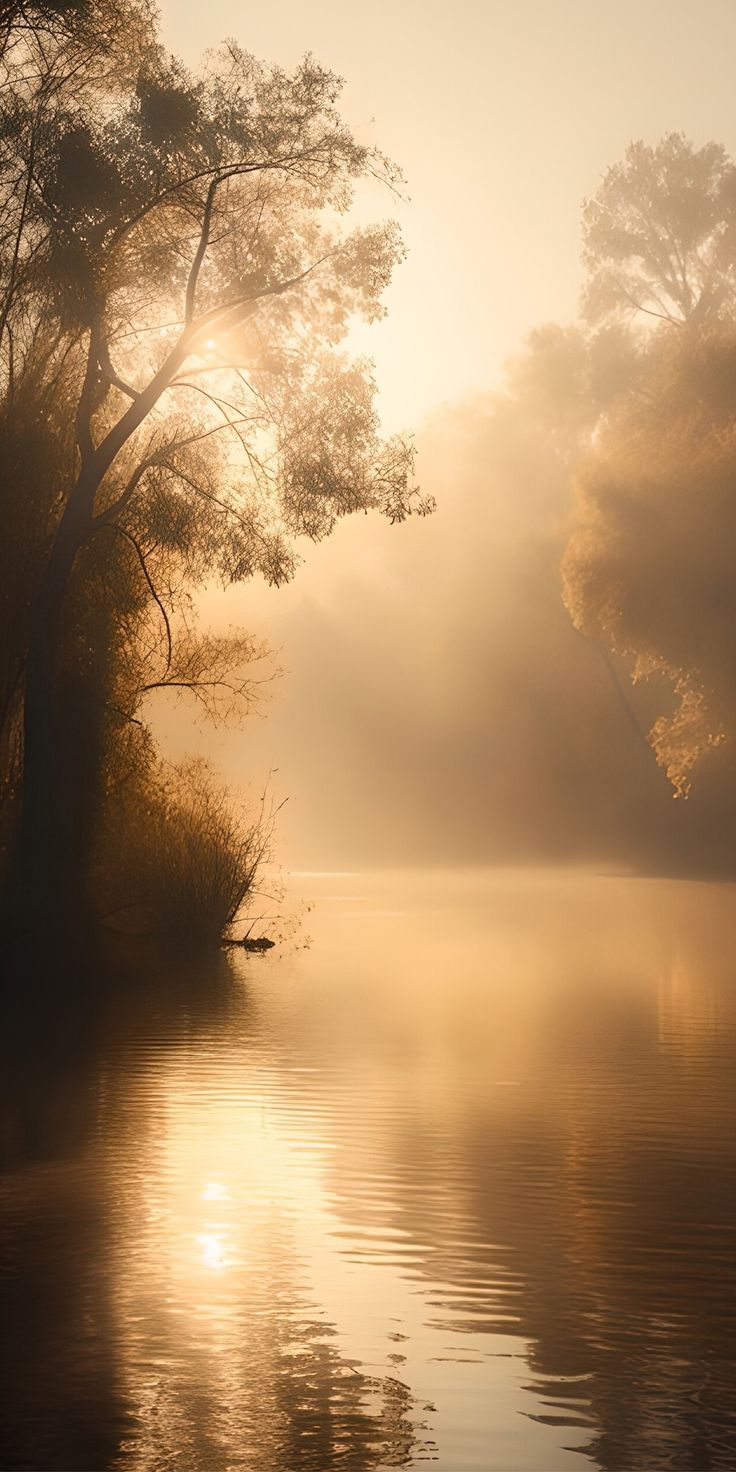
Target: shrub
{"x": 176, "y": 857}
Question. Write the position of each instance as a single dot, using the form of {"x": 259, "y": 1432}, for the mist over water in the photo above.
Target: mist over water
{"x": 435, "y": 703}
{"x": 456, "y": 1183}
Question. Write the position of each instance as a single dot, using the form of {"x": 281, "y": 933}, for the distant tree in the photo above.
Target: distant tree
{"x": 175, "y": 406}
{"x": 650, "y": 568}
{"x": 566, "y": 377}
{"x": 659, "y": 236}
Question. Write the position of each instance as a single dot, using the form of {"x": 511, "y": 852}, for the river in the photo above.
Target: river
{"x": 454, "y": 1183}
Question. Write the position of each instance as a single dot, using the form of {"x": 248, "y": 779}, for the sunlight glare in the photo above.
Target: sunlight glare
{"x": 214, "y": 1191}
{"x": 212, "y": 1250}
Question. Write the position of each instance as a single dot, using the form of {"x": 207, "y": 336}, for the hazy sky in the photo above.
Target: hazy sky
{"x": 503, "y": 117}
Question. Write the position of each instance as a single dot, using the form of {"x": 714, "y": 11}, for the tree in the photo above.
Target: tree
{"x": 650, "y": 568}
{"x": 178, "y": 286}
{"x": 659, "y": 237}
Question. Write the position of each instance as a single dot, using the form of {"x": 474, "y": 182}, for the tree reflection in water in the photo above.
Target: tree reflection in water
{"x": 463, "y": 1173}
{"x": 130, "y": 1336}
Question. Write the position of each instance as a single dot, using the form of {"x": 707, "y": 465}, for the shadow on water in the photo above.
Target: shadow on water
{"x": 109, "y": 1355}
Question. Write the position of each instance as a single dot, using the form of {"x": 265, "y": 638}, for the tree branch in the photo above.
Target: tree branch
{"x": 230, "y": 172}
{"x": 7, "y": 303}
{"x": 224, "y": 317}
{"x": 663, "y": 316}
{"x": 201, "y": 250}
{"x": 130, "y": 538}
{"x": 106, "y": 517}
{"x": 86, "y": 398}
{"x": 229, "y": 314}
{"x": 103, "y": 358}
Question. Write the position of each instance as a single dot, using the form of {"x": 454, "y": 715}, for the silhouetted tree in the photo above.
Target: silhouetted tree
{"x": 177, "y": 286}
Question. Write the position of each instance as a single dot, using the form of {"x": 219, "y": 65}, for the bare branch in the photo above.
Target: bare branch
{"x": 106, "y": 517}
{"x": 649, "y": 311}
{"x": 122, "y": 532}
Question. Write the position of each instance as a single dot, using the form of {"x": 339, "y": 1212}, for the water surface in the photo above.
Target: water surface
{"x": 456, "y": 1184}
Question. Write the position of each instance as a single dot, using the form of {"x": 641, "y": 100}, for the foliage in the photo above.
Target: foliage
{"x": 178, "y": 282}
{"x": 659, "y": 237}
{"x": 651, "y": 567}
{"x": 198, "y": 865}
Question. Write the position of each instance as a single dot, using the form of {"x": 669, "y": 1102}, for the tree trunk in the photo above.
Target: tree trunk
{"x": 50, "y": 873}
{"x": 51, "y": 879}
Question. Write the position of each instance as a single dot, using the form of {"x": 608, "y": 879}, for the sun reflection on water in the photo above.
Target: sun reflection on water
{"x": 212, "y": 1249}
{"x": 437, "y": 1201}
{"x": 214, "y": 1191}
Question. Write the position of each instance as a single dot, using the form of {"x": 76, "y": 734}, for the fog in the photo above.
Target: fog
{"x": 434, "y": 701}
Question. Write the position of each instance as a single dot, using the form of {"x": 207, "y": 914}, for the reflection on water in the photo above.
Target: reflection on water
{"x": 457, "y": 1184}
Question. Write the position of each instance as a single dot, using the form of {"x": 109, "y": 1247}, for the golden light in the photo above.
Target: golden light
{"x": 214, "y": 1191}
{"x": 212, "y": 1250}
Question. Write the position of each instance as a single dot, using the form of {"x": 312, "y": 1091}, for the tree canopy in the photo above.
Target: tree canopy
{"x": 650, "y": 567}
{"x": 659, "y": 236}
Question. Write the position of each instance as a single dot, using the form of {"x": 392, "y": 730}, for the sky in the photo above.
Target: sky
{"x": 503, "y": 118}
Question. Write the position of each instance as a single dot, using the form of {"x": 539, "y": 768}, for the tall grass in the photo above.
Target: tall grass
{"x": 178, "y": 858}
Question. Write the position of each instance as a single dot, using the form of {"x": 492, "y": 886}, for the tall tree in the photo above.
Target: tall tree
{"x": 178, "y": 286}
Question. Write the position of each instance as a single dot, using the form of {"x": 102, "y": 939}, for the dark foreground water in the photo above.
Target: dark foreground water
{"x": 457, "y": 1184}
